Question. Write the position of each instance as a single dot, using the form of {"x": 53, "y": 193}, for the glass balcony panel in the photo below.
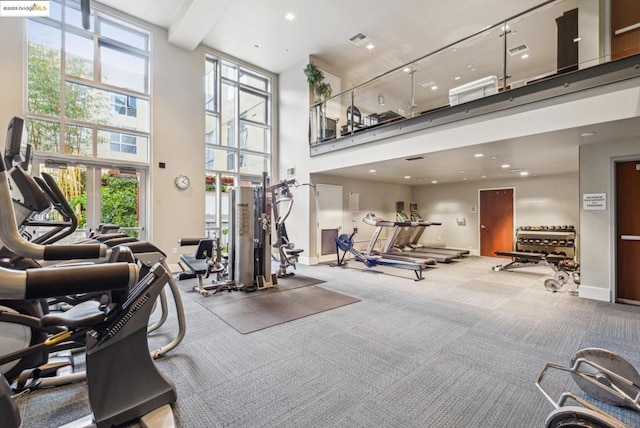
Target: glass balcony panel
{"x": 469, "y": 70}
{"x": 545, "y": 43}
{"x": 380, "y": 102}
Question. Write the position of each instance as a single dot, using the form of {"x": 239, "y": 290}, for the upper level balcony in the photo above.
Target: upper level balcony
{"x": 557, "y": 48}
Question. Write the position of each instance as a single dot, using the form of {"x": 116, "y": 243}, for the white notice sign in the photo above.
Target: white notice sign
{"x": 594, "y": 201}
{"x": 354, "y": 202}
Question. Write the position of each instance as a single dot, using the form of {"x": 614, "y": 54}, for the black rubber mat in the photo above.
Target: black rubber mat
{"x": 258, "y": 312}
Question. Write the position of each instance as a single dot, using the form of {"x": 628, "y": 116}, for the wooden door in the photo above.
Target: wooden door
{"x": 496, "y": 221}
{"x": 628, "y": 231}
{"x": 625, "y": 28}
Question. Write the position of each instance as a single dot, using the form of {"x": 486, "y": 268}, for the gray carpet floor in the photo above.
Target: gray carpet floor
{"x": 460, "y": 349}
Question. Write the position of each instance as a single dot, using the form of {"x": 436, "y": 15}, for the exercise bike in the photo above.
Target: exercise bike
{"x": 601, "y": 374}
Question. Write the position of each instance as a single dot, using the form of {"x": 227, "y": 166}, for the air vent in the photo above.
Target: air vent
{"x": 359, "y": 39}
{"x": 518, "y": 49}
{"x": 415, "y": 158}
{"x": 427, "y": 83}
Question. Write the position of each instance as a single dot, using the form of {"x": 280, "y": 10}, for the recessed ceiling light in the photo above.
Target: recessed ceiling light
{"x": 434, "y": 181}
{"x": 483, "y": 176}
{"x": 494, "y": 157}
{"x": 372, "y": 171}
{"x": 461, "y": 171}
{"x": 406, "y": 69}
{"x": 434, "y": 87}
{"x": 473, "y": 69}
{"x": 370, "y": 46}
{"x": 587, "y": 134}
{"x": 406, "y": 177}
{"x": 505, "y": 165}
{"x": 524, "y": 173}
{"x": 286, "y": 51}
{"x": 464, "y": 178}
{"x": 290, "y": 16}
{"x": 478, "y": 155}
{"x": 257, "y": 45}
{"x": 456, "y": 78}
{"x": 469, "y": 66}
{"x": 524, "y": 56}
{"x": 454, "y": 50}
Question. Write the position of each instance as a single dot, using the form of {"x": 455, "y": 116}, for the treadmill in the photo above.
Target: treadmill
{"x": 415, "y": 239}
{"x": 400, "y": 231}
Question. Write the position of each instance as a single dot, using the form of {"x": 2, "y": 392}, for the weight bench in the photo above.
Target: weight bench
{"x": 525, "y": 259}
{"x": 201, "y": 264}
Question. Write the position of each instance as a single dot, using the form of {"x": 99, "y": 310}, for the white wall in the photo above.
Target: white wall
{"x": 548, "y": 200}
{"x": 12, "y": 49}
{"x": 597, "y": 172}
{"x": 293, "y": 152}
{"x": 177, "y": 127}
{"x": 375, "y": 197}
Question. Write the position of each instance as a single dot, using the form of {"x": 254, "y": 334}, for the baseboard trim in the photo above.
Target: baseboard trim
{"x": 594, "y": 293}
{"x": 309, "y": 261}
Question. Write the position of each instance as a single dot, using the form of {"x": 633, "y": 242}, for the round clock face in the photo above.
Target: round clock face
{"x": 182, "y": 182}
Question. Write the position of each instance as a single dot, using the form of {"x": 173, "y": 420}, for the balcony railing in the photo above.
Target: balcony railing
{"x": 539, "y": 44}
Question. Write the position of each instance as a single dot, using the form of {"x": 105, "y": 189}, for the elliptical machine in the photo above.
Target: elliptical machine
{"x": 115, "y": 333}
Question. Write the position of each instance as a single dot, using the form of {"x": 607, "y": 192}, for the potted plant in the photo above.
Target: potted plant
{"x": 321, "y": 91}
{"x": 315, "y": 78}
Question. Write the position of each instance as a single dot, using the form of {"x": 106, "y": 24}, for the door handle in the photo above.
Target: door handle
{"x": 630, "y": 237}
{"x": 482, "y": 226}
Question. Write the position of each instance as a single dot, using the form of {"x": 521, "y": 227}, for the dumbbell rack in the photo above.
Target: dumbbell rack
{"x": 560, "y": 240}
{"x": 553, "y": 246}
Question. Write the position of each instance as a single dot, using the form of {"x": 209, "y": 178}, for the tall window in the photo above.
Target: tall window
{"x": 88, "y": 102}
{"x": 86, "y": 86}
{"x": 237, "y": 136}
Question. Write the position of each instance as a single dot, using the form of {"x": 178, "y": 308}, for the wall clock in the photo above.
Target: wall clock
{"x": 182, "y": 182}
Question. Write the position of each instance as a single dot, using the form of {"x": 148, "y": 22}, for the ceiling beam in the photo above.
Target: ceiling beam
{"x": 194, "y": 21}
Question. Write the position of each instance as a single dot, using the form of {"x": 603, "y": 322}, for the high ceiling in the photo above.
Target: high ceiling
{"x": 259, "y": 33}
{"x": 401, "y": 32}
